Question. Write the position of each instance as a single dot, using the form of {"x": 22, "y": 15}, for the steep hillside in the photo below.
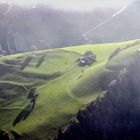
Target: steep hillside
{"x": 120, "y": 27}
{"x": 113, "y": 116}
{"x": 44, "y": 27}
{"x": 62, "y": 86}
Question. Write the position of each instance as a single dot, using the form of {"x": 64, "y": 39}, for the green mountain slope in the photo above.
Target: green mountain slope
{"x": 63, "y": 86}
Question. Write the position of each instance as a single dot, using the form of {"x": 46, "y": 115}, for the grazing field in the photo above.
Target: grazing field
{"x": 62, "y": 86}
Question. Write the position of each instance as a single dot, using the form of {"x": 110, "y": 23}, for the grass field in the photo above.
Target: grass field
{"x": 62, "y": 85}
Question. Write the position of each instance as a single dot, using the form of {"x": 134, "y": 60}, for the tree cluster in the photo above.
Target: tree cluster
{"x": 87, "y": 59}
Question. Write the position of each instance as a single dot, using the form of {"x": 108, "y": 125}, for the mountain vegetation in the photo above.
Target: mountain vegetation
{"x": 41, "y": 91}
{"x": 115, "y": 115}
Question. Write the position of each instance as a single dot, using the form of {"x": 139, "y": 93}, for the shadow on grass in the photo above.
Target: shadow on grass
{"x": 24, "y": 114}
{"x": 26, "y": 63}
{"x": 40, "y": 61}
